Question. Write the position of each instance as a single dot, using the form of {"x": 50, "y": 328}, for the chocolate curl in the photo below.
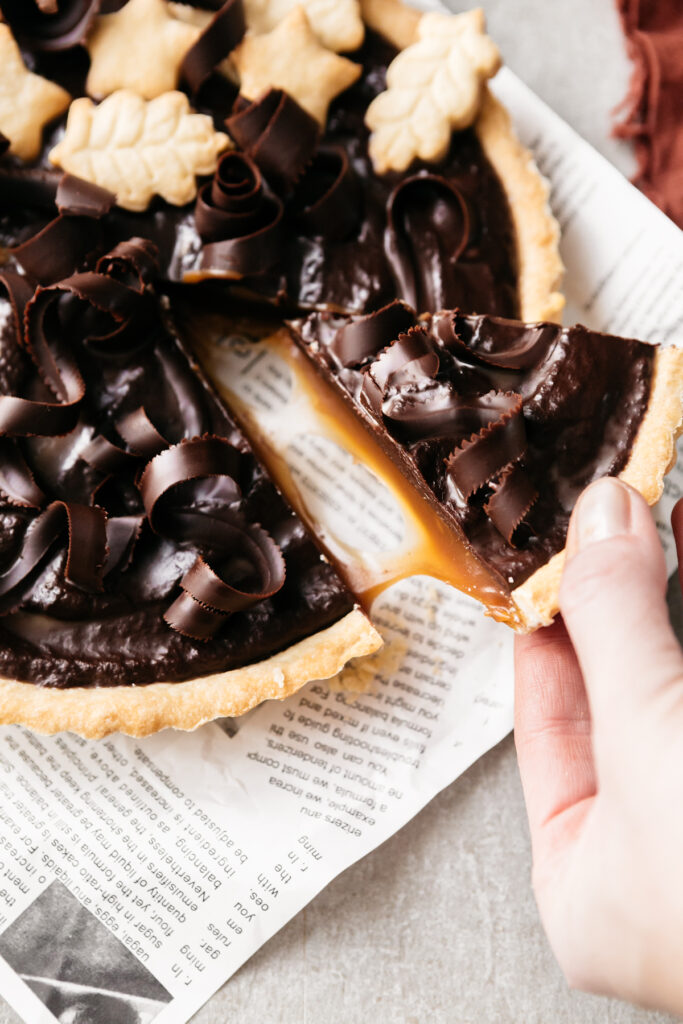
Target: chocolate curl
{"x": 23, "y": 417}
{"x": 194, "y": 459}
{"x": 35, "y": 187}
{"x": 140, "y": 434}
{"x": 47, "y": 26}
{"x": 495, "y": 341}
{"x": 65, "y": 243}
{"x": 107, "y": 457}
{"x": 277, "y": 134}
{"x": 220, "y": 37}
{"x": 498, "y": 444}
{"x": 330, "y": 195}
{"x": 408, "y": 360}
{"x": 85, "y": 530}
{"x": 512, "y": 496}
{"x": 122, "y": 536}
{"x": 241, "y": 224}
{"x": 208, "y": 598}
{"x": 365, "y": 336}
{"x": 419, "y": 203}
{"x": 17, "y": 483}
{"x": 245, "y": 565}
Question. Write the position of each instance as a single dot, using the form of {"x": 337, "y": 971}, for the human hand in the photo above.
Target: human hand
{"x": 599, "y": 736}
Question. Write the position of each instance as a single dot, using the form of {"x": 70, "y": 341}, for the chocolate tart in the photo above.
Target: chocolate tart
{"x": 500, "y": 425}
{"x": 152, "y": 574}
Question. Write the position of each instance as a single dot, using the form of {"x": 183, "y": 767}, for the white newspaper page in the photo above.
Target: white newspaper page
{"x": 137, "y": 876}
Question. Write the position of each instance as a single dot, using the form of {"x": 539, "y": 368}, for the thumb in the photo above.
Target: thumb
{"x": 613, "y": 603}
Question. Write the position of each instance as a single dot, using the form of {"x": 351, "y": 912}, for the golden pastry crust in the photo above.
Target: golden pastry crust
{"x": 141, "y": 710}
{"x": 539, "y": 266}
{"x": 652, "y": 456}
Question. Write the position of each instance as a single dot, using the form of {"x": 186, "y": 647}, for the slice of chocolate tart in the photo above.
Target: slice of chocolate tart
{"x": 499, "y": 425}
{"x": 151, "y": 573}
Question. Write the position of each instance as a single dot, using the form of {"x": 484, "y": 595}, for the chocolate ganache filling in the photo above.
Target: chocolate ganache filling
{"x": 498, "y": 423}
{"x": 136, "y": 524}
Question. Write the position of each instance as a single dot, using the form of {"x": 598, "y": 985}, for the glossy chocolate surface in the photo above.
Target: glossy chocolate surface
{"x": 503, "y": 424}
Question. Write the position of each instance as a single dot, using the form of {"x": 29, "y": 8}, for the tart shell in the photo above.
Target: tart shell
{"x": 537, "y": 233}
{"x": 95, "y": 712}
{"x": 652, "y": 456}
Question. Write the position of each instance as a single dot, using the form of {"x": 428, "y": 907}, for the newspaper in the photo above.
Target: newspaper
{"x": 137, "y": 876}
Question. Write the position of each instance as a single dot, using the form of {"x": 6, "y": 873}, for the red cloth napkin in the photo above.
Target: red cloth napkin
{"x": 653, "y": 108}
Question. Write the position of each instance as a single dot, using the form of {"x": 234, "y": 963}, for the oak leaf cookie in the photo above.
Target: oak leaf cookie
{"x": 138, "y": 149}
{"x": 291, "y": 58}
{"x": 27, "y": 101}
{"x": 337, "y": 23}
{"x": 140, "y": 47}
{"x": 396, "y": 21}
{"x": 434, "y": 87}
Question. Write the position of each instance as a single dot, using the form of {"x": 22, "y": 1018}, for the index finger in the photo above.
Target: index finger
{"x": 552, "y": 730}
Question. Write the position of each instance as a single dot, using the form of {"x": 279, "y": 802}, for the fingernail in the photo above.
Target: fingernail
{"x": 602, "y": 511}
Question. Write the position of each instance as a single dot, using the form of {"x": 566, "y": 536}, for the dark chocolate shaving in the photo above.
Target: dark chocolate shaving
{"x": 33, "y": 187}
{"x": 239, "y": 222}
{"x": 59, "y": 248}
{"x": 365, "y": 336}
{"x": 499, "y": 443}
{"x": 250, "y": 558}
{"x": 330, "y": 195}
{"x": 17, "y": 483}
{"x": 50, "y": 26}
{"x": 64, "y": 244}
{"x": 278, "y": 135}
{"x": 84, "y": 527}
{"x": 512, "y": 496}
{"x": 412, "y": 358}
{"x": 26, "y": 417}
{"x": 240, "y": 563}
{"x": 83, "y": 199}
{"x": 495, "y": 341}
{"x": 425, "y": 213}
{"x": 220, "y": 37}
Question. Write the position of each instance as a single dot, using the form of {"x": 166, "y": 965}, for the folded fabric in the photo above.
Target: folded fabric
{"x": 653, "y": 107}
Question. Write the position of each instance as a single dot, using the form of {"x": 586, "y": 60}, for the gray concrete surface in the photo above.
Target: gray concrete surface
{"x": 439, "y": 924}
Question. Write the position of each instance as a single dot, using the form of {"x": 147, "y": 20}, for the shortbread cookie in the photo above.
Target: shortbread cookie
{"x": 291, "y": 58}
{"x": 396, "y": 21}
{"x": 138, "y": 149}
{"x": 27, "y": 101}
{"x": 337, "y": 23}
{"x": 140, "y": 47}
{"x": 434, "y": 87}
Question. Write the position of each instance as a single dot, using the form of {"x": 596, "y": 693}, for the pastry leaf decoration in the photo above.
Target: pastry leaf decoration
{"x": 433, "y": 88}
{"x": 138, "y": 149}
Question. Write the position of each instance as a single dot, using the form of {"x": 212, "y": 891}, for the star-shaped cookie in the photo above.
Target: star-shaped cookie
{"x": 27, "y": 101}
{"x": 291, "y": 58}
{"x": 140, "y": 47}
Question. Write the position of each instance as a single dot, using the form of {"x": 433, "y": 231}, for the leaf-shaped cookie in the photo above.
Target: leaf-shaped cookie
{"x": 433, "y": 88}
{"x": 138, "y": 148}
{"x": 337, "y": 23}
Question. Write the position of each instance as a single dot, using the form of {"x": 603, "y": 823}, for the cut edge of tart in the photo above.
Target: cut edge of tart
{"x": 652, "y": 456}
{"x": 142, "y": 710}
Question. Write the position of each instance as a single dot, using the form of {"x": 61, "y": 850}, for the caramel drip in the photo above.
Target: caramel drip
{"x": 430, "y": 546}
